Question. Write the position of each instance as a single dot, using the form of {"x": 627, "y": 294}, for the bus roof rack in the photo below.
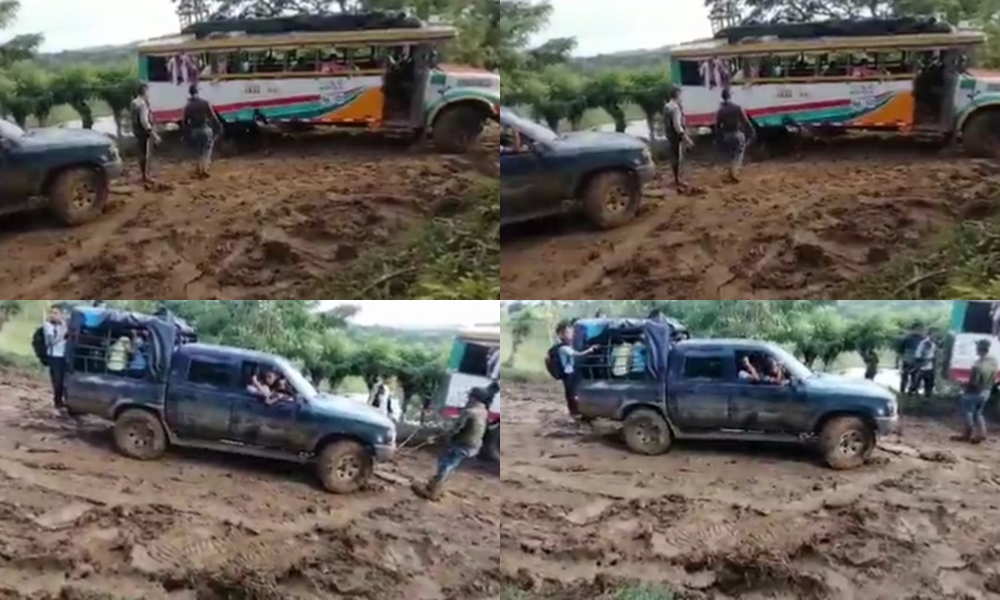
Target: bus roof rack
{"x": 306, "y": 24}
{"x": 839, "y": 28}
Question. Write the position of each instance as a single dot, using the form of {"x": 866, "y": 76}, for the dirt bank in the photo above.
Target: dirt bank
{"x": 78, "y": 521}
{"x": 583, "y": 516}
{"x": 813, "y": 224}
{"x": 283, "y": 221}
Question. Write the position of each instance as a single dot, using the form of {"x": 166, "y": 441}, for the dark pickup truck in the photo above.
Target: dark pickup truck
{"x": 663, "y": 389}
{"x": 543, "y": 173}
{"x": 198, "y": 395}
{"x": 69, "y": 171}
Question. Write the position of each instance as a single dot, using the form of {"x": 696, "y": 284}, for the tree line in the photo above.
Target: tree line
{"x": 818, "y": 331}
{"x": 324, "y": 344}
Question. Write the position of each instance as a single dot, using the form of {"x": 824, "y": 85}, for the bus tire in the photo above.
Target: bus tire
{"x": 981, "y": 133}
{"x": 457, "y": 128}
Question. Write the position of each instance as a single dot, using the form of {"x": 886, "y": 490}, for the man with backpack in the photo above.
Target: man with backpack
{"x": 561, "y": 364}
{"x": 54, "y": 333}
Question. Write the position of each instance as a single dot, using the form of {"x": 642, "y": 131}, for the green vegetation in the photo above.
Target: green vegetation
{"x": 963, "y": 263}
{"x": 636, "y": 591}
{"x": 329, "y": 350}
{"x": 453, "y": 257}
{"x": 33, "y": 92}
{"x": 831, "y": 334}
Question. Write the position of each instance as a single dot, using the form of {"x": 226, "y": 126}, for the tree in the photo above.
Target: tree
{"x": 22, "y": 47}
{"x": 76, "y": 87}
{"x": 521, "y": 325}
{"x": 117, "y": 86}
{"x": 8, "y": 310}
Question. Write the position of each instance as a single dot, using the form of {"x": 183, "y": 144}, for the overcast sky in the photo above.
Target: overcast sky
{"x": 424, "y": 313}
{"x": 599, "y": 27}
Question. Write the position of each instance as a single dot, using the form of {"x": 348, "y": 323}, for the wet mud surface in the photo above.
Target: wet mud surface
{"x": 581, "y": 515}
{"x": 810, "y": 223}
{"x": 79, "y": 521}
{"x": 277, "y": 220}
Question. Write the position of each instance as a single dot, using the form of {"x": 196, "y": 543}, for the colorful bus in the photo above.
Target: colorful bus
{"x": 971, "y": 321}
{"x": 469, "y": 367}
{"x": 337, "y": 71}
{"x": 895, "y": 75}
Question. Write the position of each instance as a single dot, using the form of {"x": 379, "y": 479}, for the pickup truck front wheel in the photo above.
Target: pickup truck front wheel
{"x": 647, "y": 432}
{"x": 140, "y": 435}
{"x": 78, "y": 195}
{"x": 344, "y": 467}
{"x": 846, "y": 442}
{"x": 612, "y": 199}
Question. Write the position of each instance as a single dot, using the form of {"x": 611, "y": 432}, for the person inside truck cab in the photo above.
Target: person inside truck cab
{"x": 772, "y": 372}
{"x": 511, "y": 141}
{"x": 747, "y": 372}
{"x": 270, "y": 387}
{"x": 139, "y": 361}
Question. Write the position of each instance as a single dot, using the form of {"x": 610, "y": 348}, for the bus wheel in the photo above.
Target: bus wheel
{"x": 981, "y": 134}
{"x": 457, "y": 129}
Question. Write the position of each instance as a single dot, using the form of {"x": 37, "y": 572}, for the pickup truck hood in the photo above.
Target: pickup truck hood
{"x": 596, "y": 140}
{"x": 59, "y": 137}
{"x": 836, "y": 385}
{"x": 345, "y": 408}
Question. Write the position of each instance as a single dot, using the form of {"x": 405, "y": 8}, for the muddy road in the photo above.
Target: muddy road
{"x": 279, "y": 220}
{"x": 811, "y": 223}
{"x": 80, "y": 522}
{"x": 581, "y": 515}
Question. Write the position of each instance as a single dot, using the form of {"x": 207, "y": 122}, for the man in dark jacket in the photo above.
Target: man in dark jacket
{"x": 734, "y": 128}
{"x": 677, "y": 136}
{"x": 201, "y": 125}
{"x": 465, "y": 440}
{"x": 143, "y": 131}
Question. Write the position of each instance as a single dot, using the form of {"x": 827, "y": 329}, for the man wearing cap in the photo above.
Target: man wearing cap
{"x": 977, "y": 392}
{"x": 201, "y": 125}
{"x": 465, "y": 441}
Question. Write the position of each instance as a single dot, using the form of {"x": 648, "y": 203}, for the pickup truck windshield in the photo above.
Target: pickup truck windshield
{"x": 794, "y": 365}
{"x": 11, "y": 131}
{"x": 300, "y": 383}
{"x": 535, "y": 131}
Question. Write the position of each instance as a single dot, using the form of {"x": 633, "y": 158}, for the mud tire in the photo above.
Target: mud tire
{"x": 981, "y": 134}
{"x": 139, "y": 434}
{"x": 846, "y": 442}
{"x": 78, "y": 195}
{"x": 491, "y": 446}
{"x": 647, "y": 432}
{"x": 344, "y": 467}
{"x": 611, "y": 199}
{"x": 458, "y": 128}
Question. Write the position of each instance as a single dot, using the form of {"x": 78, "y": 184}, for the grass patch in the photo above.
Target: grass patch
{"x": 963, "y": 263}
{"x": 456, "y": 256}
{"x": 642, "y": 591}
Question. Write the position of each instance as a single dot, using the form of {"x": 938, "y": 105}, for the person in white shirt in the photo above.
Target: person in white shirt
{"x": 677, "y": 136}
{"x": 55, "y": 343}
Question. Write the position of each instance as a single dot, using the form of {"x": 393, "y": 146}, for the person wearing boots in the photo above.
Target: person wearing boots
{"x": 977, "y": 393}
{"x": 465, "y": 441}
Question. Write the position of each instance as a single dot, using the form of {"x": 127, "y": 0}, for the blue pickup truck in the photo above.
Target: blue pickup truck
{"x": 162, "y": 389}
{"x": 68, "y": 171}
{"x": 543, "y": 173}
{"x": 663, "y": 389}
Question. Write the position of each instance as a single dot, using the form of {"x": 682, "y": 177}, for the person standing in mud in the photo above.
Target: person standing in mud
{"x": 733, "y": 126}
{"x": 145, "y": 134}
{"x": 201, "y": 126}
{"x": 870, "y": 358}
{"x": 906, "y": 358}
{"x": 977, "y": 391}
{"x": 926, "y": 357}
{"x": 465, "y": 440}
{"x": 678, "y": 139}
{"x": 55, "y": 332}
{"x": 566, "y": 366}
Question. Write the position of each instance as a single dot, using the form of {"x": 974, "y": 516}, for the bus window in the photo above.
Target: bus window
{"x": 894, "y": 62}
{"x": 157, "y": 69}
{"x": 303, "y": 60}
{"x": 267, "y": 61}
{"x": 978, "y": 317}
{"x": 690, "y": 72}
{"x": 834, "y": 64}
{"x": 800, "y": 65}
{"x": 475, "y": 360}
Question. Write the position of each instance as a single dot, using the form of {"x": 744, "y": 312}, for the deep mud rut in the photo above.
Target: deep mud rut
{"x": 811, "y": 224}
{"x": 278, "y": 221}
{"x": 581, "y": 515}
{"x": 78, "y": 521}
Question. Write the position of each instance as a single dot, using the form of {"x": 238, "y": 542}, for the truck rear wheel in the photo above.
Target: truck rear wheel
{"x": 647, "y": 432}
{"x": 491, "y": 445}
{"x": 612, "y": 199}
{"x": 457, "y": 129}
{"x": 140, "y": 435}
{"x": 344, "y": 467}
{"x": 78, "y": 195}
{"x": 846, "y": 442}
{"x": 981, "y": 134}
